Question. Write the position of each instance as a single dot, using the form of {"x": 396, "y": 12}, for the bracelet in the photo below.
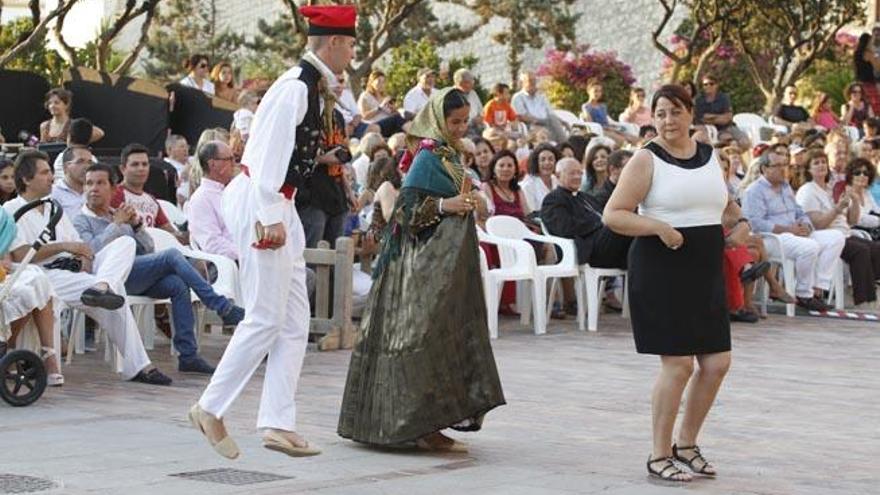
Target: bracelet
{"x": 440, "y": 206}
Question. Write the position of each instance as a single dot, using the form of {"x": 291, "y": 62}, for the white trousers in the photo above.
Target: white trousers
{"x": 276, "y": 319}
{"x": 111, "y": 265}
{"x": 814, "y": 258}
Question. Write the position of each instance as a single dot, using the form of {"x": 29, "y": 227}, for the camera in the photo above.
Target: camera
{"x": 342, "y": 154}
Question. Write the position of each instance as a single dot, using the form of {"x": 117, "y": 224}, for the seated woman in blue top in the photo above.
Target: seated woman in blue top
{"x": 596, "y": 111}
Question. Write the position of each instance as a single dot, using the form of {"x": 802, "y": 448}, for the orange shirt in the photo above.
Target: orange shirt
{"x": 498, "y": 114}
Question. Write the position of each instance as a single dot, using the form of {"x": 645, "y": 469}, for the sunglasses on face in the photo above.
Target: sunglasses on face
{"x": 708, "y": 83}
{"x": 860, "y": 173}
{"x": 202, "y": 65}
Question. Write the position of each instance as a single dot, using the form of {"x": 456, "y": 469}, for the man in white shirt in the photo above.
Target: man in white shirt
{"x": 285, "y": 147}
{"x": 464, "y": 80}
{"x": 69, "y": 190}
{"x": 93, "y": 283}
{"x": 177, "y": 155}
{"x": 417, "y": 97}
{"x": 534, "y": 109}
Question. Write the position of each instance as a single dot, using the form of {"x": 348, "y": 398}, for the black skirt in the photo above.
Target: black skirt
{"x": 677, "y": 297}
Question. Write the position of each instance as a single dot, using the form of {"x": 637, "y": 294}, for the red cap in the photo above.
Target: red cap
{"x": 327, "y": 20}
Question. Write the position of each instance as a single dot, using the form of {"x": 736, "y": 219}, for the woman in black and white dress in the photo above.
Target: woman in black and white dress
{"x": 676, "y": 286}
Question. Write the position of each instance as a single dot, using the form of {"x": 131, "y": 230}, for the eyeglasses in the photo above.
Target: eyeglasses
{"x": 224, "y": 158}
{"x": 860, "y": 173}
{"x": 709, "y": 83}
{"x": 202, "y": 65}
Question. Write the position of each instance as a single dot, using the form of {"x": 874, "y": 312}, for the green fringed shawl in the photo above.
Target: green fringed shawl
{"x": 427, "y": 177}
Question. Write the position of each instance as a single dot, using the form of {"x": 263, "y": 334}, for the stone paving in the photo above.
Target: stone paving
{"x": 799, "y": 413}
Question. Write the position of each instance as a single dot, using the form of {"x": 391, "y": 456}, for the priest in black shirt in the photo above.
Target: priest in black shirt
{"x": 569, "y": 213}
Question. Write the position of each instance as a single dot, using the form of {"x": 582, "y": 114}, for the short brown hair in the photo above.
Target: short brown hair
{"x": 60, "y": 93}
{"x": 814, "y": 154}
{"x": 676, "y": 94}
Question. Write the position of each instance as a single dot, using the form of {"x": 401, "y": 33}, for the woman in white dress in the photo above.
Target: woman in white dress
{"x": 541, "y": 178}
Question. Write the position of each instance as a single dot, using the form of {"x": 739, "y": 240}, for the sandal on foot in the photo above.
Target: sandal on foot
{"x": 52, "y": 379}
{"x": 705, "y": 468}
{"x": 669, "y": 471}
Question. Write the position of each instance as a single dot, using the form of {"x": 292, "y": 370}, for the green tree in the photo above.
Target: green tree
{"x": 529, "y": 24}
{"x": 38, "y": 58}
{"x": 32, "y": 35}
{"x": 184, "y": 28}
{"x": 792, "y": 35}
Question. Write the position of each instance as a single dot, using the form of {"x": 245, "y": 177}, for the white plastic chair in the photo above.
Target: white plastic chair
{"x": 629, "y": 128}
{"x": 511, "y": 228}
{"x": 752, "y": 124}
{"x": 227, "y": 283}
{"x": 174, "y": 214}
{"x": 517, "y": 263}
{"x": 594, "y": 282}
{"x": 569, "y": 118}
{"x": 837, "y": 294}
{"x": 776, "y": 254}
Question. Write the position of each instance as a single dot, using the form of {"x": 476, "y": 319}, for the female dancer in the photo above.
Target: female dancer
{"x": 420, "y": 366}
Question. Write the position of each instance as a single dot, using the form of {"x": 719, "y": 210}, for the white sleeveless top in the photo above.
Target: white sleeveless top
{"x": 687, "y": 195}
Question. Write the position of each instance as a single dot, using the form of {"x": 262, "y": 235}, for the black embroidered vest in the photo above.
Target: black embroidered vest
{"x": 309, "y": 132}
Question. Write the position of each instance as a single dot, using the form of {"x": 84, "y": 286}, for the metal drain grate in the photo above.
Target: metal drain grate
{"x": 227, "y": 476}
{"x": 11, "y": 483}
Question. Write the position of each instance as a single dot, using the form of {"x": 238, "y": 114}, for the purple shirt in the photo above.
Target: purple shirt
{"x": 206, "y": 225}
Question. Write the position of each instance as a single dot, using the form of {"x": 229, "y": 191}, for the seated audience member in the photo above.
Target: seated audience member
{"x": 81, "y": 133}
{"x": 838, "y": 152}
{"x": 770, "y": 206}
{"x": 385, "y": 179}
{"x": 397, "y": 143}
{"x": 361, "y": 163}
{"x": 377, "y": 108}
{"x": 69, "y": 191}
{"x": 355, "y": 126}
{"x": 7, "y": 180}
{"x": 135, "y": 168}
{"x": 417, "y": 97}
{"x": 646, "y": 133}
{"x": 498, "y": 139}
{"x": 223, "y": 78}
{"x": 614, "y": 165}
{"x": 636, "y": 112}
{"x": 503, "y": 188}
{"x": 31, "y": 299}
{"x": 483, "y": 153}
{"x": 789, "y": 112}
{"x": 855, "y": 111}
{"x": 822, "y": 113}
{"x": 533, "y": 108}
{"x": 862, "y": 255}
{"x": 93, "y": 283}
{"x": 464, "y": 80}
{"x": 860, "y": 174}
{"x": 59, "y": 102}
{"x": 206, "y": 225}
{"x": 541, "y": 178}
{"x": 498, "y": 112}
{"x": 160, "y": 275}
{"x": 248, "y": 101}
{"x": 568, "y": 212}
{"x": 177, "y": 156}
{"x": 566, "y": 150}
{"x": 596, "y": 168}
{"x": 198, "y": 67}
{"x": 745, "y": 260}
{"x": 871, "y": 129}
{"x": 712, "y": 107}
{"x": 595, "y": 110}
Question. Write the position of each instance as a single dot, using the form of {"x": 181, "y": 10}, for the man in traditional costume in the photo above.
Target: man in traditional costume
{"x": 288, "y": 141}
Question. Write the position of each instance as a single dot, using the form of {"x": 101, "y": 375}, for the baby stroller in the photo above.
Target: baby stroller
{"x": 22, "y": 373}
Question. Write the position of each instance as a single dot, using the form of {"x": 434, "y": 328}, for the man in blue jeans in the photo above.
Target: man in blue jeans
{"x": 163, "y": 274}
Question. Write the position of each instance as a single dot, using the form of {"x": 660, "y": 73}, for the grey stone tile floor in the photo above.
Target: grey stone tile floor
{"x": 798, "y": 414}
